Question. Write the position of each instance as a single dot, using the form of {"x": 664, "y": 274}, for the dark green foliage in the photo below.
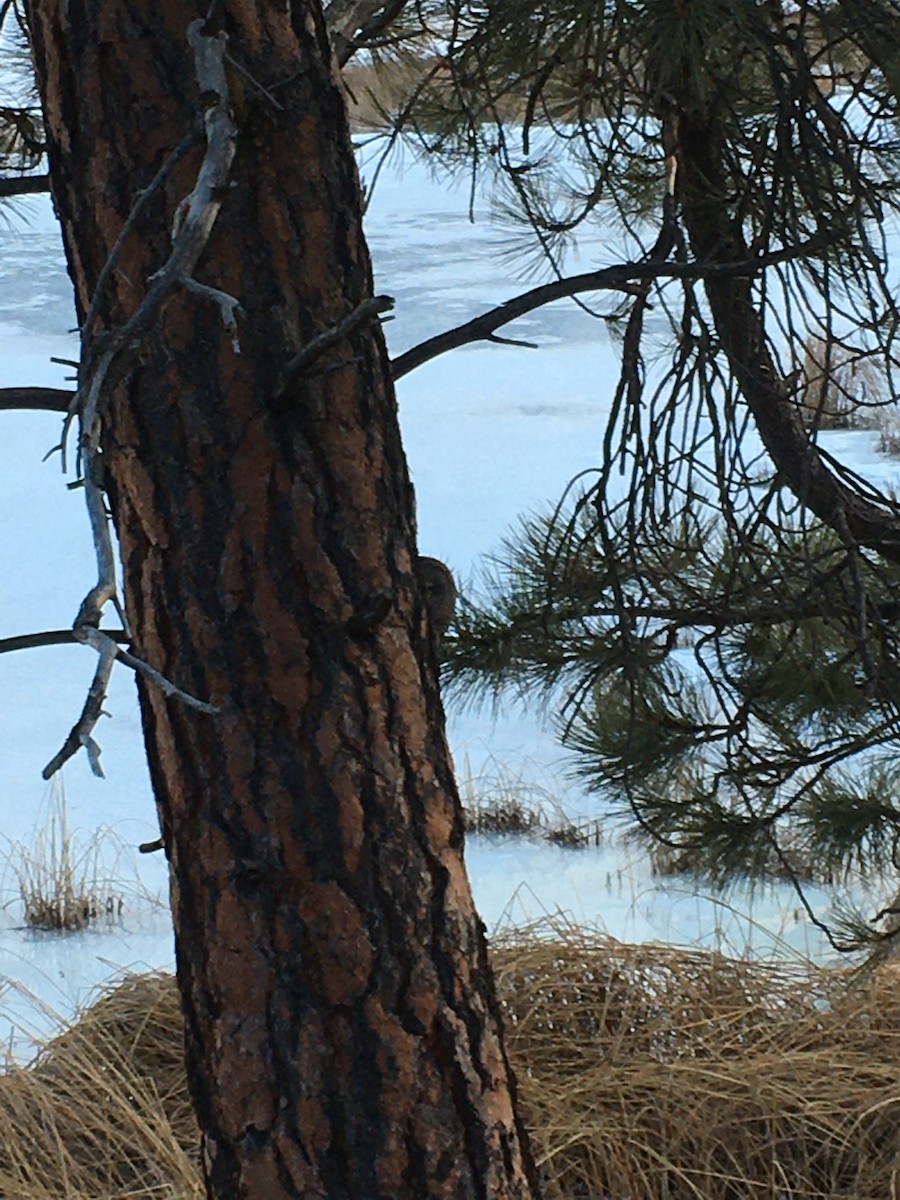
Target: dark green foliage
{"x": 716, "y": 618}
{"x": 22, "y": 145}
{"x": 563, "y": 108}
{"x": 715, "y": 709}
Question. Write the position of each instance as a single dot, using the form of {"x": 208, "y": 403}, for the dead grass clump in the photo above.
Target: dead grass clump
{"x": 103, "y": 1112}
{"x": 505, "y": 804}
{"x": 60, "y": 881}
{"x": 643, "y": 1071}
{"x": 572, "y": 835}
{"x": 513, "y": 817}
{"x": 840, "y": 387}
{"x": 647, "y": 1071}
{"x": 389, "y": 84}
{"x": 888, "y": 426}
{"x": 501, "y": 814}
{"x": 373, "y": 89}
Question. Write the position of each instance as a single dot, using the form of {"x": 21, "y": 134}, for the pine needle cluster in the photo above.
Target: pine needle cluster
{"x": 741, "y": 709}
{"x": 22, "y": 141}
{"x": 715, "y": 616}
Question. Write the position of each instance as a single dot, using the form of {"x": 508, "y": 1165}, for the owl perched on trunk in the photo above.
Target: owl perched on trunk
{"x": 438, "y": 591}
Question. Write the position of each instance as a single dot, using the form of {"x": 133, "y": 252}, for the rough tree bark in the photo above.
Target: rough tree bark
{"x": 342, "y": 1031}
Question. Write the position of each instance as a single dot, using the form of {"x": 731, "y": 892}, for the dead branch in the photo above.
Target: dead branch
{"x": 228, "y": 306}
{"x": 255, "y": 83}
{"x": 142, "y": 199}
{"x": 36, "y": 399}
{"x": 480, "y": 328}
{"x": 193, "y": 224}
{"x": 101, "y": 643}
{"x": 53, "y": 637}
{"x": 92, "y": 606}
{"x": 352, "y": 23}
{"x": 331, "y": 337}
{"x": 80, "y": 735}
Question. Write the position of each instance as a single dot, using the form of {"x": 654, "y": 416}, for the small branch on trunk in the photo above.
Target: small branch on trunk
{"x": 92, "y": 605}
{"x": 197, "y": 214}
{"x": 228, "y": 306}
{"x": 508, "y": 341}
{"x": 36, "y": 399}
{"x": 254, "y": 82}
{"x": 331, "y": 337}
{"x": 105, "y": 645}
{"x": 100, "y": 642}
{"x": 88, "y": 618}
{"x": 142, "y": 199}
{"x": 54, "y": 637}
{"x": 81, "y": 731}
{"x": 352, "y": 23}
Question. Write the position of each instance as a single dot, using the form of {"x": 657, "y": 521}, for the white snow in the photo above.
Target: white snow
{"x": 490, "y": 432}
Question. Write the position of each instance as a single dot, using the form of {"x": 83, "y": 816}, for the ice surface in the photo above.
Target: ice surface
{"x": 490, "y": 432}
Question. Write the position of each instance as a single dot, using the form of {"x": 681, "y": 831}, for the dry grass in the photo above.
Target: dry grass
{"x": 373, "y": 90}
{"x": 103, "y": 1113}
{"x": 421, "y": 82}
{"x": 505, "y": 804}
{"x": 644, "y": 1072}
{"x": 842, "y": 389}
{"x": 888, "y": 426}
{"x": 652, "y": 1071}
{"x": 61, "y": 882}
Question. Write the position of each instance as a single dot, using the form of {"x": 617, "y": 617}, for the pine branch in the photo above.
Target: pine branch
{"x": 54, "y": 637}
{"x": 24, "y": 185}
{"x": 36, "y": 399}
{"x": 629, "y": 278}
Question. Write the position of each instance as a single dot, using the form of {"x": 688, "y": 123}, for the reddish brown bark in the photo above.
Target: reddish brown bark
{"x": 342, "y": 1030}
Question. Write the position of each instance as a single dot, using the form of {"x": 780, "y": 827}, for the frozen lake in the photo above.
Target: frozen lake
{"x": 490, "y": 432}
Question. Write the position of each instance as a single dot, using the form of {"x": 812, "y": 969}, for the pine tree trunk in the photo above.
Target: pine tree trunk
{"x": 342, "y": 1031}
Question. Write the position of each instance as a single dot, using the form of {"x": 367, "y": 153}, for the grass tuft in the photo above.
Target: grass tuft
{"x": 650, "y": 1071}
{"x": 840, "y": 387}
{"x": 888, "y": 425}
{"x": 60, "y": 882}
{"x": 103, "y": 1112}
{"x": 504, "y": 804}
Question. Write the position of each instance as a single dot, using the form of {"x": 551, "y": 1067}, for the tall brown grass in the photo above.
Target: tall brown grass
{"x": 103, "y": 1112}
{"x": 373, "y": 90}
{"x": 62, "y": 881}
{"x": 651, "y": 1072}
{"x": 502, "y": 802}
{"x": 644, "y": 1072}
{"x": 842, "y": 389}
